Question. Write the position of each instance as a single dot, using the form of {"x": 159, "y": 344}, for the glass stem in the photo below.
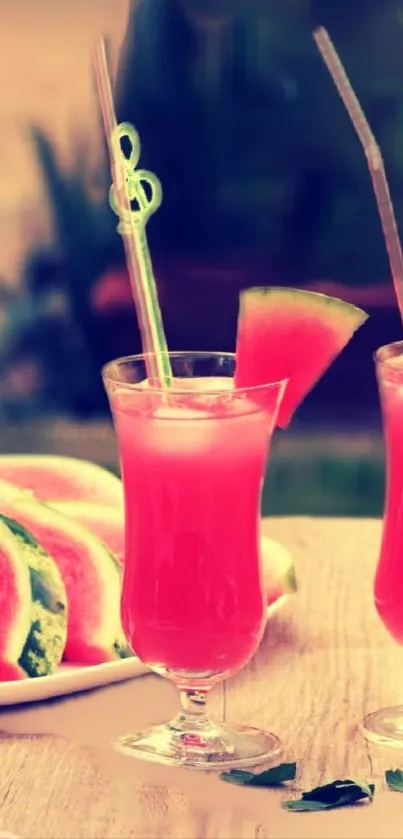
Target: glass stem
{"x": 193, "y": 710}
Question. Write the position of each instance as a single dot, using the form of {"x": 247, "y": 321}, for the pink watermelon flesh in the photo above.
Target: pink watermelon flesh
{"x": 110, "y": 533}
{"x": 290, "y": 334}
{"x": 84, "y": 586}
{"x": 90, "y": 655}
{"x": 15, "y": 598}
{"x": 108, "y": 523}
{"x": 52, "y": 478}
{"x": 11, "y": 672}
{"x": 273, "y": 594}
{"x": 9, "y": 599}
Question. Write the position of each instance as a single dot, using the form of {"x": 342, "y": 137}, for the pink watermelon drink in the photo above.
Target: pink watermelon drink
{"x": 193, "y": 465}
{"x": 193, "y": 455}
{"x": 385, "y": 726}
{"x": 193, "y": 605}
{"x": 389, "y": 575}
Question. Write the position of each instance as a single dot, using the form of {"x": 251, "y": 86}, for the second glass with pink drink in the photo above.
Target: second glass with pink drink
{"x": 385, "y": 726}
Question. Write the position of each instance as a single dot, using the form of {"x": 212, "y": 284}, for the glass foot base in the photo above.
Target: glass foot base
{"x": 217, "y": 747}
{"x": 385, "y": 727}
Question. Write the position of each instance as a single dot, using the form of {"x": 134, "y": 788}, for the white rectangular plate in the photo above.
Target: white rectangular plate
{"x": 70, "y": 679}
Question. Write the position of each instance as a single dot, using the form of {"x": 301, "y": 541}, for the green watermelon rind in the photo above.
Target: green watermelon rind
{"x": 312, "y": 299}
{"x": 279, "y": 560}
{"x": 290, "y": 581}
{"x": 16, "y": 633}
{"x": 109, "y": 633}
{"x": 44, "y": 645}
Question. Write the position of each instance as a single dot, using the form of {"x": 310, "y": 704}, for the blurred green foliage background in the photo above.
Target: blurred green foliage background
{"x": 330, "y": 483}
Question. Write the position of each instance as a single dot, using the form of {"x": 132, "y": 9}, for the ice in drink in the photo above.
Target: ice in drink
{"x": 193, "y": 601}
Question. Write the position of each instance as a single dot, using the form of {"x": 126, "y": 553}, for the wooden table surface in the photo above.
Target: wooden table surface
{"x": 324, "y": 662}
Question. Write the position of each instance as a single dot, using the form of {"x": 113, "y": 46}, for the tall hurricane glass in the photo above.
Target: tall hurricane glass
{"x": 193, "y": 460}
{"x": 385, "y": 727}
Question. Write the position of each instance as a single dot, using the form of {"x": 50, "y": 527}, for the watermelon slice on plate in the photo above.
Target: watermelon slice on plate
{"x": 286, "y": 333}
{"x": 91, "y": 577}
{"x": 53, "y": 478}
{"x": 45, "y": 643}
{"x": 33, "y": 606}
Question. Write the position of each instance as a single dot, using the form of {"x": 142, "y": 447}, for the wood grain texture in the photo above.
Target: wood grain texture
{"x": 325, "y": 661}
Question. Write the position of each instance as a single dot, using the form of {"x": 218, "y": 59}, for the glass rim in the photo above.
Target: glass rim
{"x": 385, "y": 353}
{"x": 178, "y": 391}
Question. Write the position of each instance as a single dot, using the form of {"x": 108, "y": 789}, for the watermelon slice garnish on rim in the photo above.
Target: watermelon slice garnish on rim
{"x": 287, "y": 333}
